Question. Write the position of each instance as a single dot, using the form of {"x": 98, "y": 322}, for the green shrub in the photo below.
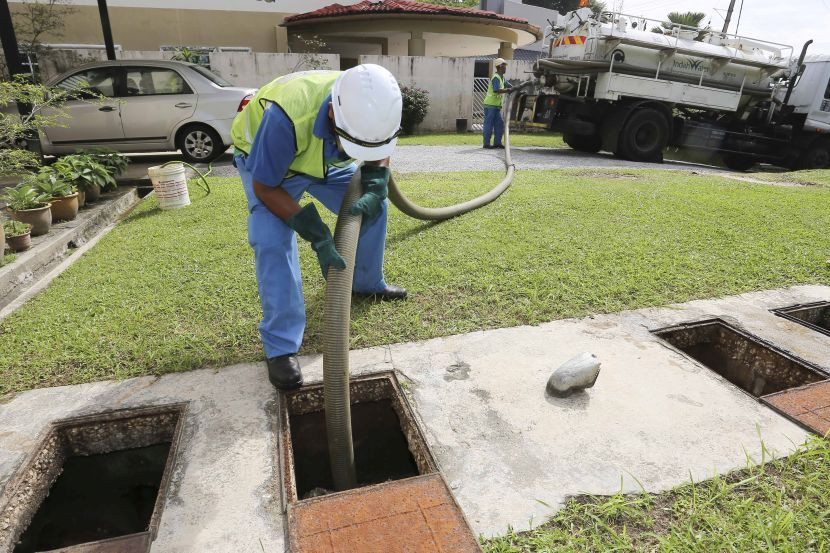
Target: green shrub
{"x": 50, "y": 182}
{"x": 415, "y": 107}
{"x": 112, "y": 160}
{"x": 16, "y": 228}
{"x": 84, "y": 172}
{"x": 25, "y": 196}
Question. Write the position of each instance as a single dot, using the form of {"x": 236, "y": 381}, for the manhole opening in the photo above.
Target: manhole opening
{"x": 815, "y": 316}
{"x": 748, "y": 362}
{"x": 388, "y": 444}
{"x": 97, "y": 481}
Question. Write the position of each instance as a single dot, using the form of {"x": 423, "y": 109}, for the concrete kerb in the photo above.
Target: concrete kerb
{"x": 654, "y": 417}
{"x": 16, "y": 278}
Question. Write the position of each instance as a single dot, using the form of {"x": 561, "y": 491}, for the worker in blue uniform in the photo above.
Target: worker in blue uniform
{"x": 493, "y": 121}
{"x": 301, "y": 134}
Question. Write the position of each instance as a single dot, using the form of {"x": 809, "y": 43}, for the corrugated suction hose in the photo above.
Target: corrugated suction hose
{"x": 338, "y": 307}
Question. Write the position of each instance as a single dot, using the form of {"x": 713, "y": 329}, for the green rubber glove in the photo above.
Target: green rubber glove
{"x": 310, "y": 227}
{"x": 375, "y": 180}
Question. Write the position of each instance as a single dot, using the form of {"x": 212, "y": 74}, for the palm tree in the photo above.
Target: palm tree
{"x": 687, "y": 19}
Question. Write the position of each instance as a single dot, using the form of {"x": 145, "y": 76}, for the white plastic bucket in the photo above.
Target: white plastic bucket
{"x": 170, "y": 185}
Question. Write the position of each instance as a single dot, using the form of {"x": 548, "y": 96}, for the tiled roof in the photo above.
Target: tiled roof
{"x": 399, "y": 6}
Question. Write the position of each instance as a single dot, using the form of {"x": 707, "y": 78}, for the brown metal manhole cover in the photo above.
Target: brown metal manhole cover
{"x": 414, "y": 515}
{"x": 808, "y": 405}
{"x": 95, "y": 483}
{"x": 815, "y": 316}
{"x": 401, "y": 503}
{"x": 754, "y": 365}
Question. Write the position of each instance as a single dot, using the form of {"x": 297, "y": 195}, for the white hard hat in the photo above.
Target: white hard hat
{"x": 367, "y": 108}
{"x": 499, "y": 61}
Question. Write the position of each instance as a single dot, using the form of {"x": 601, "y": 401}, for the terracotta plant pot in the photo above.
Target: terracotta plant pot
{"x": 81, "y": 197}
{"x": 93, "y": 194}
{"x": 40, "y": 219}
{"x": 65, "y": 208}
{"x": 20, "y": 243}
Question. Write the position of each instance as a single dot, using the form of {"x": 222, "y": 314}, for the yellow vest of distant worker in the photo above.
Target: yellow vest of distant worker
{"x": 494, "y": 100}
{"x": 300, "y": 95}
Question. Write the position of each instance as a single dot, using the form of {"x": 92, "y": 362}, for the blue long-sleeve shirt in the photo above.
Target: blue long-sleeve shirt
{"x": 274, "y": 146}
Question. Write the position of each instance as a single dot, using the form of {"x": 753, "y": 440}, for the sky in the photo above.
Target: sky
{"x": 790, "y": 22}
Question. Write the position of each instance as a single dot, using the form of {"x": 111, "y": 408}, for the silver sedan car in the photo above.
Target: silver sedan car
{"x": 147, "y": 106}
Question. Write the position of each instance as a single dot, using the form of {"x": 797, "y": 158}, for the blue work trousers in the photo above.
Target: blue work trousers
{"x": 278, "y": 262}
{"x": 493, "y": 125}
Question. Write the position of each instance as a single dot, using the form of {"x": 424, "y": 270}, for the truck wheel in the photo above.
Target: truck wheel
{"x": 644, "y": 136}
{"x": 737, "y": 162}
{"x": 591, "y": 143}
{"x": 817, "y": 157}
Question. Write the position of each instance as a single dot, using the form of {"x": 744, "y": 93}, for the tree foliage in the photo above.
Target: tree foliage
{"x": 565, "y": 6}
{"x": 43, "y": 105}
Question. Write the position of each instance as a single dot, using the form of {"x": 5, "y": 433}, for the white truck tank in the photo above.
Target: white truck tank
{"x": 627, "y": 44}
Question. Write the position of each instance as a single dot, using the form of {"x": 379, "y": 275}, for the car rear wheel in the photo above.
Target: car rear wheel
{"x": 199, "y": 144}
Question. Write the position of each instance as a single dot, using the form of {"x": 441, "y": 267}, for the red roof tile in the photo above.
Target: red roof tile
{"x": 399, "y": 6}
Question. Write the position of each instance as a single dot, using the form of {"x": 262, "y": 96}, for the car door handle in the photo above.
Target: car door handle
{"x": 106, "y": 108}
{"x": 184, "y": 105}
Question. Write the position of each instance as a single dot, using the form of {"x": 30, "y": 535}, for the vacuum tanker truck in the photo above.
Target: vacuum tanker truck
{"x": 634, "y": 87}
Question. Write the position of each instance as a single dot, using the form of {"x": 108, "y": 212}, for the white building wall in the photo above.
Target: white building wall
{"x": 449, "y": 82}
{"x": 256, "y": 69}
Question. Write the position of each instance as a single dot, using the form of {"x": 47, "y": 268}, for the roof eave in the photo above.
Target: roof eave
{"x": 516, "y": 25}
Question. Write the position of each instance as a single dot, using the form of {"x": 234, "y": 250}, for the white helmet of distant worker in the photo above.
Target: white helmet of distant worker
{"x": 367, "y": 105}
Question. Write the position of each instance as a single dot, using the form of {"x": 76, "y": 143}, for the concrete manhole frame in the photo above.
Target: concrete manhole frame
{"x": 370, "y": 387}
{"x": 102, "y": 432}
{"x": 787, "y": 313}
{"x": 819, "y": 371}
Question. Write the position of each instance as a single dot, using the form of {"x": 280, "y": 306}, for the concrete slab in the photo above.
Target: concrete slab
{"x": 654, "y": 415}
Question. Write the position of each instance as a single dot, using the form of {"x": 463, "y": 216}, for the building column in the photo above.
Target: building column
{"x": 417, "y": 44}
{"x": 506, "y": 50}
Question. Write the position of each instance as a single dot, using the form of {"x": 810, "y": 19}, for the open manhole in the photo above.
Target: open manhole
{"x": 402, "y": 502}
{"x": 815, "y": 316}
{"x": 388, "y": 444}
{"x": 755, "y": 366}
{"x": 95, "y": 483}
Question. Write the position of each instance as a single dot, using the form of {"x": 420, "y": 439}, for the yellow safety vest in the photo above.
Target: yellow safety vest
{"x": 492, "y": 99}
{"x": 300, "y": 95}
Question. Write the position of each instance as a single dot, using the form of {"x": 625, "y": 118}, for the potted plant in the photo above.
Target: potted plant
{"x": 85, "y": 173}
{"x": 64, "y": 196}
{"x": 19, "y": 235}
{"x": 115, "y": 163}
{"x": 27, "y": 205}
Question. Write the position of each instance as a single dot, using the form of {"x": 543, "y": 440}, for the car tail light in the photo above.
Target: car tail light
{"x": 244, "y": 102}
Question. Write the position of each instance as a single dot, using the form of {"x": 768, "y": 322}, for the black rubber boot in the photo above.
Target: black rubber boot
{"x": 284, "y": 372}
{"x": 391, "y": 293}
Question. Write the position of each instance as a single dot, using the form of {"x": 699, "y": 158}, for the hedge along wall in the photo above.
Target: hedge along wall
{"x": 449, "y": 82}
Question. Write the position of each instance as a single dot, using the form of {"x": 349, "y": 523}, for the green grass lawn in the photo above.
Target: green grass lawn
{"x": 814, "y": 177}
{"x": 546, "y": 140}
{"x": 175, "y": 290}
{"x": 783, "y": 506}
